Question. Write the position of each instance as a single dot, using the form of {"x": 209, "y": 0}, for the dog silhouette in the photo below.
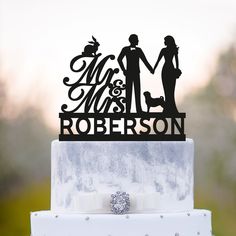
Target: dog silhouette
{"x": 153, "y": 102}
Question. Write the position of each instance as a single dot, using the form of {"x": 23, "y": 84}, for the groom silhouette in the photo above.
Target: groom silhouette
{"x": 132, "y": 71}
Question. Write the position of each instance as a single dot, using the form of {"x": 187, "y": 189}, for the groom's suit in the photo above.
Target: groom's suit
{"x": 132, "y": 71}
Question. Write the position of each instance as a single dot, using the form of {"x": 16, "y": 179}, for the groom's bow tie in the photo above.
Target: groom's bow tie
{"x": 132, "y": 48}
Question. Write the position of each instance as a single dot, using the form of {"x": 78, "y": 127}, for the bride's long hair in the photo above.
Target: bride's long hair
{"x": 170, "y": 43}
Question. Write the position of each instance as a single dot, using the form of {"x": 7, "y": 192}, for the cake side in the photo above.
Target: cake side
{"x": 158, "y": 176}
{"x": 196, "y": 222}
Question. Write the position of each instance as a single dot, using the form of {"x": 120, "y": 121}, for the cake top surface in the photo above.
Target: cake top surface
{"x": 188, "y": 140}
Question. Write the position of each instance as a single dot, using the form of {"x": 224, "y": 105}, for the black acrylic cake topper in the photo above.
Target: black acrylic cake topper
{"x": 101, "y": 97}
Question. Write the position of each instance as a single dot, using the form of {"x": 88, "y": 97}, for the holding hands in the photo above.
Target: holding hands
{"x": 152, "y": 70}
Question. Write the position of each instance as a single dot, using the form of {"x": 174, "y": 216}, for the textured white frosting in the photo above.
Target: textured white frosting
{"x": 193, "y": 223}
{"x": 157, "y": 175}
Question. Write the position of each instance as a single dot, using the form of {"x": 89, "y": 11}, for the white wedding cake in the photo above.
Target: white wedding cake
{"x": 132, "y": 188}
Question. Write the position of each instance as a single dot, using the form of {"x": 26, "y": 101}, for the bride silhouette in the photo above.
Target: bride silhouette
{"x": 169, "y": 73}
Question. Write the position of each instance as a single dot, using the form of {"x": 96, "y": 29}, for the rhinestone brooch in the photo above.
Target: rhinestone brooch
{"x": 120, "y": 203}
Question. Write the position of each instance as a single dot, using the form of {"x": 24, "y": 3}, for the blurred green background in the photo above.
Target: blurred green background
{"x": 37, "y": 41}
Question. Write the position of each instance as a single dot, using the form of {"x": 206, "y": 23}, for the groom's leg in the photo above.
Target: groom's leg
{"x": 137, "y": 93}
{"x": 128, "y": 93}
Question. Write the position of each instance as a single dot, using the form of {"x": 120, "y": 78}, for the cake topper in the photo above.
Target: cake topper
{"x": 101, "y": 97}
